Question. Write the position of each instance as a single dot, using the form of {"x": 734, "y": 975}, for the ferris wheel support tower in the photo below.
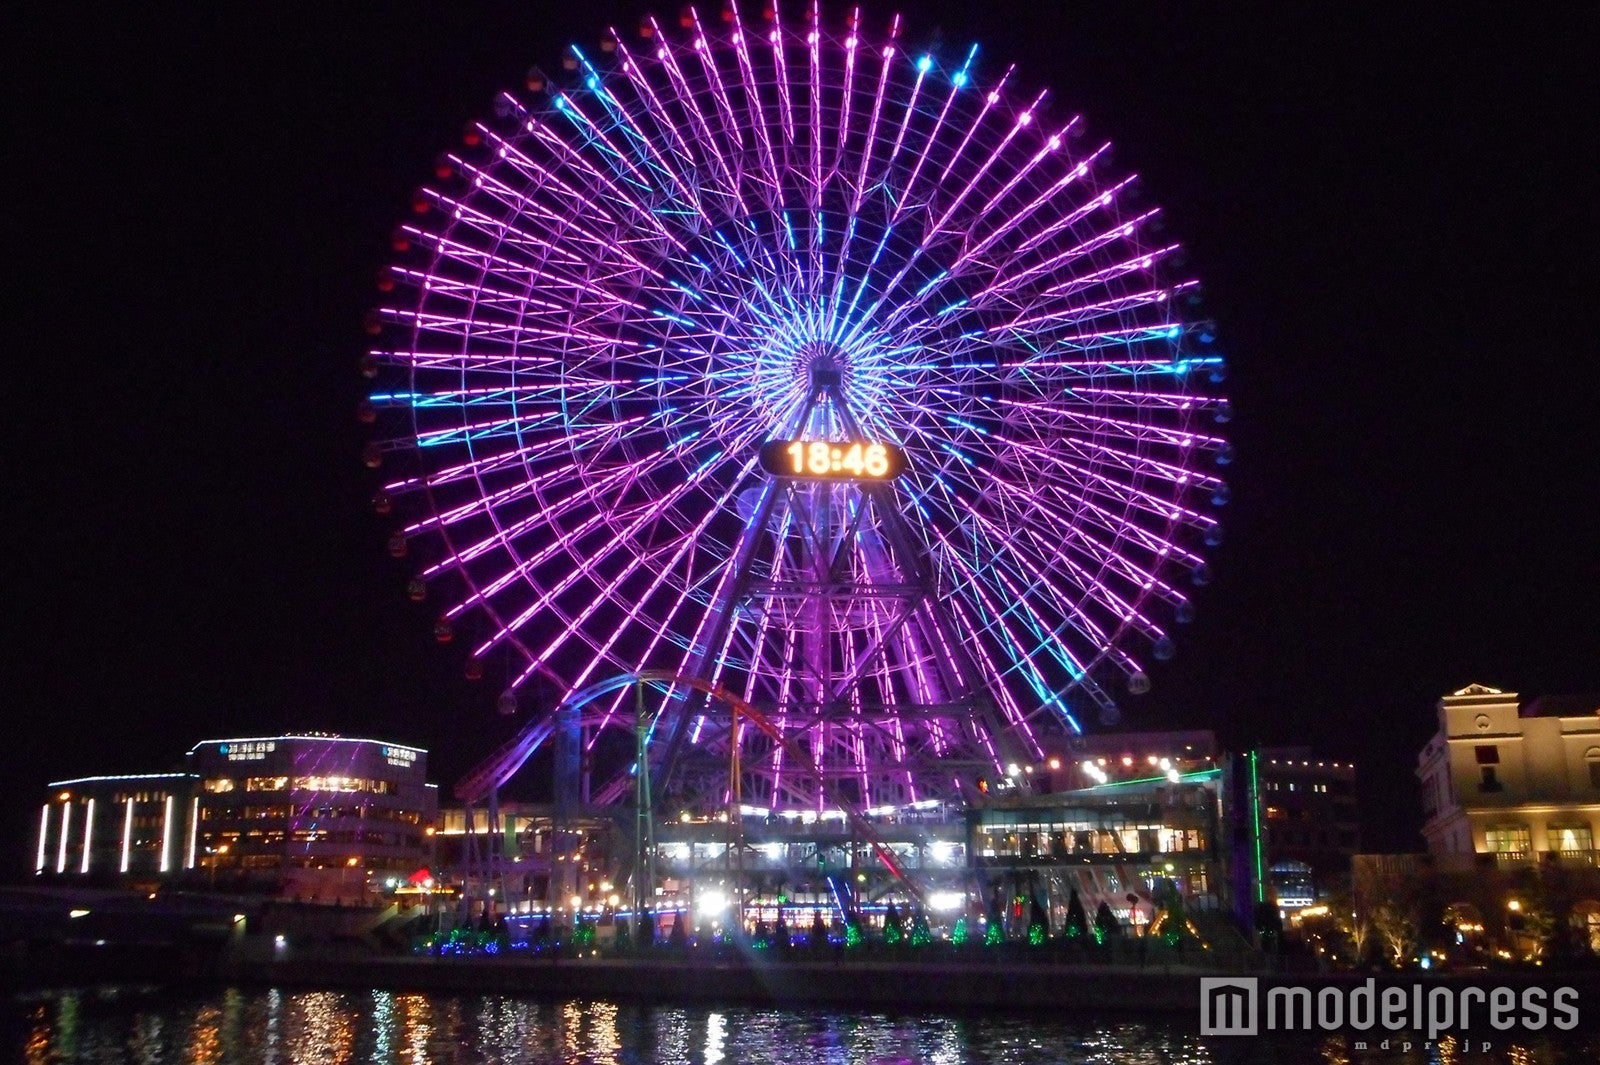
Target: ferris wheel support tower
{"x": 815, "y": 549}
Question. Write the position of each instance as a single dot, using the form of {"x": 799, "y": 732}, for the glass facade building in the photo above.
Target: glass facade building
{"x": 311, "y": 815}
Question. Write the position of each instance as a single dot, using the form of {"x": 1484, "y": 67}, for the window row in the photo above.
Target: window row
{"x": 282, "y": 813}
{"x": 222, "y": 785}
{"x": 999, "y": 843}
{"x": 1514, "y": 841}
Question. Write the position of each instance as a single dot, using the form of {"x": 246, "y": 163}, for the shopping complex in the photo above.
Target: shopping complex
{"x": 1129, "y": 821}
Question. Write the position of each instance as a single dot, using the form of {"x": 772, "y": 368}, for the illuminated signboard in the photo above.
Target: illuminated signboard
{"x": 832, "y": 460}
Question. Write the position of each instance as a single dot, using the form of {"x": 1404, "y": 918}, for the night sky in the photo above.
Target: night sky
{"x": 1392, "y": 210}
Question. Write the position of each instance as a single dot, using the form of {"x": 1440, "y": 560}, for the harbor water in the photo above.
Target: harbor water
{"x": 139, "y": 1025}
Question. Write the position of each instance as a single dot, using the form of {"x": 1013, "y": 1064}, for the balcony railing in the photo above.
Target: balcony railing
{"x": 1568, "y": 858}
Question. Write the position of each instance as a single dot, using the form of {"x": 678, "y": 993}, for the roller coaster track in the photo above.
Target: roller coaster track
{"x": 504, "y": 763}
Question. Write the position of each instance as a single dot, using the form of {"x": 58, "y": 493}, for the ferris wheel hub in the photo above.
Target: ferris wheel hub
{"x": 826, "y": 365}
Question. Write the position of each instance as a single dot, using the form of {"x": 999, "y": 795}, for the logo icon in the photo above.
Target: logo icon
{"x": 1228, "y": 1005}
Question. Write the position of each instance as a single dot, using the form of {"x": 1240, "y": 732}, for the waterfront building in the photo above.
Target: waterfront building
{"x": 536, "y": 857}
{"x": 1130, "y": 820}
{"x": 1519, "y": 782}
{"x": 1123, "y": 819}
{"x": 136, "y": 827}
{"x": 801, "y": 864}
{"x": 709, "y": 867}
{"x": 1511, "y": 798}
{"x": 1309, "y": 827}
{"x": 308, "y": 815}
{"x": 313, "y": 815}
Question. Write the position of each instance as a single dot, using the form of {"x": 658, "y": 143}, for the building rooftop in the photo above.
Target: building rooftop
{"x": 1562, "y": 706}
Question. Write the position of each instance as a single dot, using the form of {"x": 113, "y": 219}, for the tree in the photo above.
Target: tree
{"x": 994, "y": 933}
{"x": 1353, "y": 918}
{"x": 1531, "y": 918}
{"x": 1396, "y": 924}
{"x": 921, "y": 934}
{"x": 819, "y": 931}
{"x": 1169, "y": 914}
{"x": 1038, "y": 923}
{"x": 893, "y": 928}
{"x": 1077, "y": 925}
{"x": 1105, "y": 923}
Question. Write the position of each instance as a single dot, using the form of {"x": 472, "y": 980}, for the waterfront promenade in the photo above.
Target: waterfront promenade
{"x": 203, "y": 941}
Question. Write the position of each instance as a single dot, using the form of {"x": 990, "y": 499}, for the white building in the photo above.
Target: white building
{"x": 1516, "y": 781}
{"x": 136, "y": 826}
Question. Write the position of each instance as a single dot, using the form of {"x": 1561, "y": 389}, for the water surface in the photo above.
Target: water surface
{"x": 145, "y": 1026}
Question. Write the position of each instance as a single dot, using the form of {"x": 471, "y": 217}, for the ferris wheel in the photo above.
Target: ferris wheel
{"x": 785, "y": 356}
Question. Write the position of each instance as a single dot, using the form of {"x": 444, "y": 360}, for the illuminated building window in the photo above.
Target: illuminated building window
{"x": 266, "y": 783}
{"x": 220, "y": 784}
{"x": 1571, "y": 839}
{"x": 1509, "y": 841}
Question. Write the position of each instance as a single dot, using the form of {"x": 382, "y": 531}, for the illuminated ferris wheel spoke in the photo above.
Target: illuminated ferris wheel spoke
{"x": 576, "y": 503}
{"x": 606, "y": 593}
{"x": 1064, "y": 600}
{"x": 754, "y": 232}
{"x": 1005, "y": 610}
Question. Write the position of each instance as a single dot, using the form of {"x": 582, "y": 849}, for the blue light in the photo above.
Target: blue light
{"x": 959, "y": 78}
{"x": 964, "y": 424}
{"x": 686, "y": 290}
{"x": 934, "y": 280}
{"x": 925, "y": 64}
{"x": 662, "y": 312}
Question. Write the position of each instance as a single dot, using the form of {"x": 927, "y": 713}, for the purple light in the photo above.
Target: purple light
{"x": 633, "y": 282}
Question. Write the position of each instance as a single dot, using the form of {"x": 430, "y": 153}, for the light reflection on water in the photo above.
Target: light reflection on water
{"x": 112, "y": 1026}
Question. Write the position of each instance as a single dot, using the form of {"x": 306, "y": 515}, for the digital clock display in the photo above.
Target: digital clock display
{"x": 832, "y": 460}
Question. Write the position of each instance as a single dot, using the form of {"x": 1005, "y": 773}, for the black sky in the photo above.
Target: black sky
{"x": 1392, "y": 208}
